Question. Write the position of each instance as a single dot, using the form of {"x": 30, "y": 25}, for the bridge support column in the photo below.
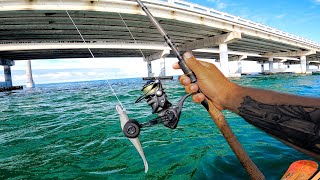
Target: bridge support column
{"x": 239, "y": 71}
{"x": 279, "y": 65}
{"x": 239, "y": 67}
{"x": 303, "y": 64}
{"x": 270, "y": 60}
{"x": 149, "y": 66}
{"x": 163, "y": 68}
{"x": 307, "y": 66}
{"x": 30, "y": 83}
{"x": 224, "y": 62}
{"x": 7, "y": 76}
{"x": 6, "y": 63}
{"x": 262, "y": 67}
{"x": 159, "y": 55}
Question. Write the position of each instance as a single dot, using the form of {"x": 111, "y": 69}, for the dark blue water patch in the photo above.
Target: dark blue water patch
{"x": 72, "y": 131}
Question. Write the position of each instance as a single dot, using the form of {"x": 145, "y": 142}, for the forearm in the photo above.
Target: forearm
{"x": 292, "y": 119}
{"x": 241, "y": 93}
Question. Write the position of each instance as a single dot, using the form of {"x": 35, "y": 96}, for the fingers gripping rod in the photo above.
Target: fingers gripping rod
{"x": 217, "y": 116}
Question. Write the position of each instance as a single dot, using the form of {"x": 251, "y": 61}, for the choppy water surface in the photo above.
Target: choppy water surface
{"x": 72, "y": 131}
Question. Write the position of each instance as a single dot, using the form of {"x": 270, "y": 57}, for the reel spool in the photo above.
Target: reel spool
{"x": 155, "y": 96}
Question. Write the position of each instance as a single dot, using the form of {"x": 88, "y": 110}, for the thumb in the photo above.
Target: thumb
{"x": 193, "y": 63}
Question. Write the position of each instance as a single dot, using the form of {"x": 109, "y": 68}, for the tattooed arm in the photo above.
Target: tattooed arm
{"x": 294, "y": 120}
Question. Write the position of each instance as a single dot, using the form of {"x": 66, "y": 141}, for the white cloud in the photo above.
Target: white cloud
{"x": 315, "y": 2}
{"x": 218, "y": 4}
{"x": 280, "y": 16}
{"x": 221, "y": 5}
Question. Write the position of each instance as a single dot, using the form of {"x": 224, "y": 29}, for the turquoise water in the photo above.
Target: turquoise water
{"x": 72, "y": 131}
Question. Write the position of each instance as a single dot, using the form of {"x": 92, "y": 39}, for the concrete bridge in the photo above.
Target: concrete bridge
{"x": 41, "y": 29}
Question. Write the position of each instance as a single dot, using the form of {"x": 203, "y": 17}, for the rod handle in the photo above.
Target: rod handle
{"x": 188, "y": 72}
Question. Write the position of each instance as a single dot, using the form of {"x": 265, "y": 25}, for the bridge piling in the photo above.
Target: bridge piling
{"x": 7, "y": 76}
{"x": 262, "y": 67}
{"x": 239, "y": 62}
{"x": 149, "y": 66}
{"x": 224, "y": 61}
{"x": 270, "y": 60}
{"x": 30, "y": 82}
{"x": 303, "y": 64}
{"x": 6, "y": 63}
{"x": 163, "y": 68}
{"x": 307, "y": 65}
{"x": 161, "y": 55}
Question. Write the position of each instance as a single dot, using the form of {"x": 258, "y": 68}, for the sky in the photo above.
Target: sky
{"x": 299, "y": 17}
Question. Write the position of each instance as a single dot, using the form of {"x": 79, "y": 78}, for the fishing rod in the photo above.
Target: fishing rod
{"x": 186, "y": 70}
{"x": 216, "y": 114}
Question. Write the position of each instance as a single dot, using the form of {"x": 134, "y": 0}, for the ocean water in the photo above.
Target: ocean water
{"x": 72, "y": 131}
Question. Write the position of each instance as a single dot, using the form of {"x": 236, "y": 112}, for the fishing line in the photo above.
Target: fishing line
{"x": 134, "y": 39}
{"x": 74, "y": 24}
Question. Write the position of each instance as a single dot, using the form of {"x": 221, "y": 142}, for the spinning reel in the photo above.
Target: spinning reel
{"x": 156, "y": 97}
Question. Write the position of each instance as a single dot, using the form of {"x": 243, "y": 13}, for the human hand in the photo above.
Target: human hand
{"x": 215, "y": 87}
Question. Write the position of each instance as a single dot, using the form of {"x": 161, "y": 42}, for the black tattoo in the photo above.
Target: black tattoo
{"x": 299, "y": 125}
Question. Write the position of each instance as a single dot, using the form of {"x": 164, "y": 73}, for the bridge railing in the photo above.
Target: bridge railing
{"x": 217, "y": 14}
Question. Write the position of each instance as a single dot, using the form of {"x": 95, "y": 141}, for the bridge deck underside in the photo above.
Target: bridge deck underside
{"x": 73, "y": 53}
{"x": 103, "y": 27}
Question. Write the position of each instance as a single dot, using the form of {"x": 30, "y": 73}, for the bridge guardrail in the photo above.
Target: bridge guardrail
{"x": 235, "y": 19}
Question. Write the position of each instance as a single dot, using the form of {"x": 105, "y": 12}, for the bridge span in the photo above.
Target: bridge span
{"x": 41, "y": 29}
